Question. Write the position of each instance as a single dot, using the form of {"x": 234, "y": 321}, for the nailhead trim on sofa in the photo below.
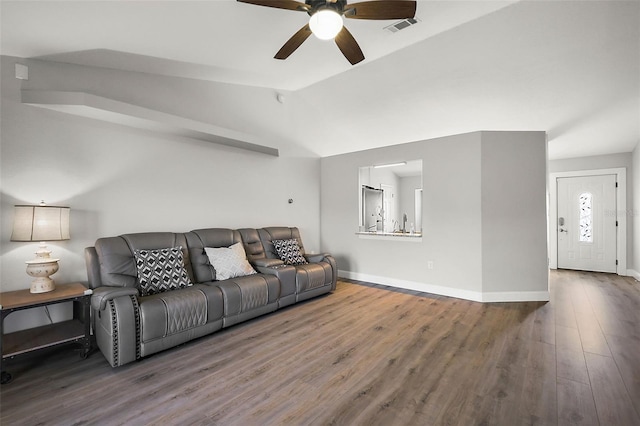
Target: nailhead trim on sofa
{"x": 136, "y": 315}
{"x": 114, "y": 332}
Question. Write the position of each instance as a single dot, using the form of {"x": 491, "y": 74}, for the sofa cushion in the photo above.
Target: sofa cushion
{"x": 229, "y": 262}
{"x": 172, "y": 312}
{"x": 268, "y": 235}
{"x": 160, "y": 270}
{"x": 289, "y": 251}
{"x": 244, "y": 294}
{"x": 197, "y": 240}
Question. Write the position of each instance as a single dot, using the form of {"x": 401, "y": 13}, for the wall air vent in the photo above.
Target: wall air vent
{"x": 405, "y": 23}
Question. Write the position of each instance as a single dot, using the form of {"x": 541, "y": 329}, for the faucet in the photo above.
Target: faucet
{"x": 404, "y": 222}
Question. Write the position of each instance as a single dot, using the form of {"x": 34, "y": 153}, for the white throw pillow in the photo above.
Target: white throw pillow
{"x": 229, "y": 262}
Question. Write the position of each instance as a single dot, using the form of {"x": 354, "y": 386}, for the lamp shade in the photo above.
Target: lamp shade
{"x": 40, "y": 223}
{"x": 325, "y": 24}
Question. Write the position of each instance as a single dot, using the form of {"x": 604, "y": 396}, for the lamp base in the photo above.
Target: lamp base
{"x": 41, "y": 269}
{"x": 42, "y": 285}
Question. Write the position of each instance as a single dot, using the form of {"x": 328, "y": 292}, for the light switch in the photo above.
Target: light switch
{"x": 22, "y": 72}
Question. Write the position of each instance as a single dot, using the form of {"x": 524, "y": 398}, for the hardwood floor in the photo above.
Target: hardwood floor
{"x": 369, "y": 355}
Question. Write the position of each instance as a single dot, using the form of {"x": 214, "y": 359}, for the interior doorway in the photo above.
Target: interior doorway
{"x": 587, "y": 220}
{"x": 388, "y": 207}
{"x": 587, "y": 223}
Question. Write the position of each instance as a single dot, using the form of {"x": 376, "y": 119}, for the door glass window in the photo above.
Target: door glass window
{"x": 586, "y": 217}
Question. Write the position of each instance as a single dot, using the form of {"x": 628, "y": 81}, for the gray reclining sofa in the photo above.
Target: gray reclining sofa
{"x": 136, "y": 315}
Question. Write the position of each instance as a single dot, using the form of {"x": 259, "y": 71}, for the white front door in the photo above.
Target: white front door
{"x": 587, "y": 223}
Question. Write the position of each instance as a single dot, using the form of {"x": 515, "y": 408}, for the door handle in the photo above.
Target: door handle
{"x": 564, "y": 230}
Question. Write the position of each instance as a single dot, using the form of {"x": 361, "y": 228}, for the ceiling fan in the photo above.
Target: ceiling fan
{"x": 326, "y": 21}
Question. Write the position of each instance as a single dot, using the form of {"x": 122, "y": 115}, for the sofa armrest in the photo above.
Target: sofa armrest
{"x": 286, "y": 274}
{"x": 116, "y": 323}
{"x": 325, "y": 257}
{"x": 93, "y": 266}
{"x": 318, "y": 257}
{"x": 267, "y": 263}
{"x": 102, "y": 295}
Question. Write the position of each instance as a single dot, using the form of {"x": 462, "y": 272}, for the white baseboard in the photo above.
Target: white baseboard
{"x": 516, "y": 296}
{"x": 522, "y": 296}
{"x": 633, "y": 273}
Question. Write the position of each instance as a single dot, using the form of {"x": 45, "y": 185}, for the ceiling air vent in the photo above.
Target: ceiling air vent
{"x": 405, "y": 23}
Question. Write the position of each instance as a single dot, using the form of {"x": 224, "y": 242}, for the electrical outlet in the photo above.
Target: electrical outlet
{"x": 429, "y": 264}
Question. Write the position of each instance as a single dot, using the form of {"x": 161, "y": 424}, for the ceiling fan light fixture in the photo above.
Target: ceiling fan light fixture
{"x": 325, "y": 24}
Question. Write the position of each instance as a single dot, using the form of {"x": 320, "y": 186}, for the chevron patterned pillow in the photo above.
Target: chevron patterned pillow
{"x": 289, "y": 251}
{"x": 160, "y": 270}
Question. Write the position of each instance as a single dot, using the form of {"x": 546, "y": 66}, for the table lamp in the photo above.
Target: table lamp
{"x": 41, "y": 223}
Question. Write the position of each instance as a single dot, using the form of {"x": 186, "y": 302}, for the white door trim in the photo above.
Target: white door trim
{"x": 621, "y": 206}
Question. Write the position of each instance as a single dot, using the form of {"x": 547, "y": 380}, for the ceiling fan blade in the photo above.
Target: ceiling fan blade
{"x": 280, "y": 4}
{"x": 389, "y": 9}
{"x": 293, "y": 43}
{"x": 349, "y": 46}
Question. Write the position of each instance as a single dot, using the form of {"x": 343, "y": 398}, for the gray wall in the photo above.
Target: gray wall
{"x": 463, "y": 199}
{"x": 514, "y": 215}
{"x": 456, "y": 192}
{"x": 118, "y": 179}
{"x": 591, "y": 163}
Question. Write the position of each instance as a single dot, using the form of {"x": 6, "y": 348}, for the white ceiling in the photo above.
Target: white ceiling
{"x": 571, "y": 68}
{"x": 220, "y": 40}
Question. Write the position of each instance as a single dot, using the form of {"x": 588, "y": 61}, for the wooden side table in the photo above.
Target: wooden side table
{"x": 76, "y": 330}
